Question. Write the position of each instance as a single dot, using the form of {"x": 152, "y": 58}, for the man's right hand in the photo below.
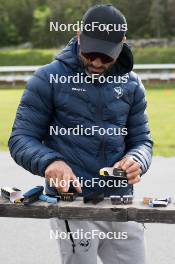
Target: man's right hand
{"x": 62, "y": 174}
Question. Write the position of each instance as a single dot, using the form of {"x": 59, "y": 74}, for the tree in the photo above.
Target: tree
{"x": 38, "y": 34}
{"x": 20, "y": 14}
{"x": 8, "y": 32}
{"x": 158, "y": 18}
{"x": 171, "y": 17}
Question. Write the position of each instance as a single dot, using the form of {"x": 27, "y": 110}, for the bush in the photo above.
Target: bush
{"x": 26, "y": 57}
{"x": 154, "y": 55}
{"x": 44, "y": 56}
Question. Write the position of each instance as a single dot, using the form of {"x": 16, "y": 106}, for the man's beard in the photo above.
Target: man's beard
{"x": 103, "y": 70}
{"x": 92, "y": 70}
{"x": 88, "y": 65}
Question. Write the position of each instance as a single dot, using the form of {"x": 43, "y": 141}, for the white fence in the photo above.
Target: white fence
{"x": 147, "y": 72}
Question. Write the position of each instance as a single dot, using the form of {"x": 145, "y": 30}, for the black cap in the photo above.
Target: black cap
{"x": 107, "y": 35}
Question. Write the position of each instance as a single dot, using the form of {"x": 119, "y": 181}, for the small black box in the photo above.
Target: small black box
{"x": 94, "y": 197}
{"x": 119, "y": 173}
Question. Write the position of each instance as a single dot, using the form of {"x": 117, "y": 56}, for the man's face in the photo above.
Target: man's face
{"x": 96, "y": 63}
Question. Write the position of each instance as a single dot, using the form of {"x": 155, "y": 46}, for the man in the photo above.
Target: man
{"x": 66, "y": 157}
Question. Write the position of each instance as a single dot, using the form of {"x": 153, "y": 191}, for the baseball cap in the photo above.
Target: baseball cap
{"x": 104, "y": 27}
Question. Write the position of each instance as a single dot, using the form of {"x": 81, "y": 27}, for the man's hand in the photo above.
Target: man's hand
{"x": 62, "y": 174}
{"x": 131, "y": 167}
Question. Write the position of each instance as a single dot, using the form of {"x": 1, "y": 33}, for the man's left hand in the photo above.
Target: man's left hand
{"x": 131, "y": 167}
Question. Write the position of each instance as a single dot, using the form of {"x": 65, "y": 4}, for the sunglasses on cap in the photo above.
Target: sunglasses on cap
{"x": 94, "y": 55}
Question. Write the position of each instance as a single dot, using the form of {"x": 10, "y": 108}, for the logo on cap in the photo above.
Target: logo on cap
{"x": 106, "y": 28}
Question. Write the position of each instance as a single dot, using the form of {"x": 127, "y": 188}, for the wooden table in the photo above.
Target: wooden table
{"x": 103, "y": 211}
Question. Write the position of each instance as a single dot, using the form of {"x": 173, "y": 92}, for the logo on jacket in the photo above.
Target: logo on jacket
{"x": 119, "y": 92}
{"x": 78, "y": 89}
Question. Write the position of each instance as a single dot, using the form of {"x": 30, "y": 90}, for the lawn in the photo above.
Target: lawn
{"x": 161, "y": 110}
{"x": 9, "y": 100}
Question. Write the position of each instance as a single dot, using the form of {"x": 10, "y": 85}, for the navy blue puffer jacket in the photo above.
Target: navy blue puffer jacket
{"x": 46, "y": 104}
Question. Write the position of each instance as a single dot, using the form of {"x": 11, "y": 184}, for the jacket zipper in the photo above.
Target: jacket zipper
{"x": 100, "y": 116}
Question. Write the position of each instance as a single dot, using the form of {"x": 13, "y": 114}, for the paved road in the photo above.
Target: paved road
{"x": 27, "y": 241}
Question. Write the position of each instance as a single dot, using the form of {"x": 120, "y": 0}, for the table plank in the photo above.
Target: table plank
{"x": 103, "y": 211}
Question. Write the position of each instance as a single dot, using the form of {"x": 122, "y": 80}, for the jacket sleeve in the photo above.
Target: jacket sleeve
{"x": 32, "y": 125}
{"x": 138, "y": 140}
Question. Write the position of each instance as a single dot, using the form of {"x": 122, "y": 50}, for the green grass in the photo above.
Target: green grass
{"x": 9, "y": 100}
{"x": 44, "y": 56}
{"x": 161, "y": 110}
